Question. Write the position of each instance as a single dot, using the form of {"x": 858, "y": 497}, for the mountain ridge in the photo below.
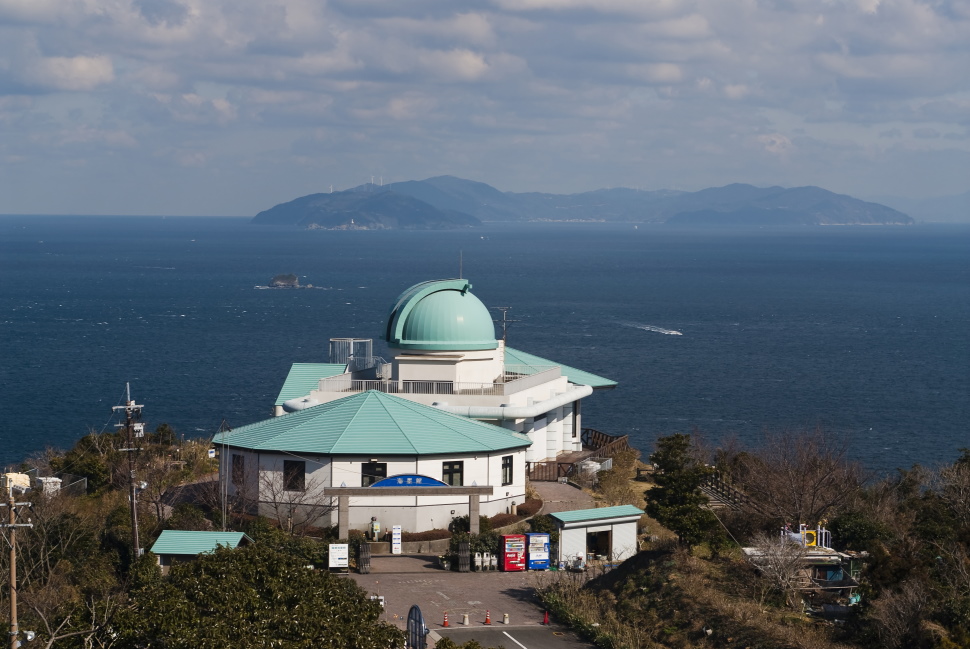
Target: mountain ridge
{"x": 449, "y": 201}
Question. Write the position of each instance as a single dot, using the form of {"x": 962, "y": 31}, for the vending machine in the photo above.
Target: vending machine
{"x": 512, "y": 552}
{"x": 538, "y": 551}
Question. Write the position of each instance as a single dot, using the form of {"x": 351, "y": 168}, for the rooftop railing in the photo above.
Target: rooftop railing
{"x": 516, "y": 379}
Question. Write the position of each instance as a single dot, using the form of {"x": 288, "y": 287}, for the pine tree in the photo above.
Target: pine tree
{"x": 676, "y": 501}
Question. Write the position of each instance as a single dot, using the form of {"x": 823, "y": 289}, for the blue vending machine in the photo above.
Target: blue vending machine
{"x": 537, "y": 549}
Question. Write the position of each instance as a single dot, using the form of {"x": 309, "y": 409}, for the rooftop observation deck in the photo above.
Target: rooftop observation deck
{"x": 515, "y": 378}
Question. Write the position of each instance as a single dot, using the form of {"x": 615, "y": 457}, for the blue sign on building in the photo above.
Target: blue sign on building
{"x": 409, "y": 480}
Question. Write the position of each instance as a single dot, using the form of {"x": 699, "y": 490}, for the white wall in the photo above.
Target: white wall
{"x": 413, "y": 513}
{"x": 572, "y": 541}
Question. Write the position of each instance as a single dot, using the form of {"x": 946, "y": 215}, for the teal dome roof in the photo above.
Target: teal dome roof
{"x": 440, "y": 315}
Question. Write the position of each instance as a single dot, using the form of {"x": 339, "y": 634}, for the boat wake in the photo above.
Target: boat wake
{"x": 646, "y": 327}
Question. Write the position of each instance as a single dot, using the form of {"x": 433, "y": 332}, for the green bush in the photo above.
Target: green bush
{"x": 545, "y": 523}
{"x": 461, "y": 524}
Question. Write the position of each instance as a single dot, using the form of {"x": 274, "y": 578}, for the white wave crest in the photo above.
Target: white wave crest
{"x": 646, "y": 327}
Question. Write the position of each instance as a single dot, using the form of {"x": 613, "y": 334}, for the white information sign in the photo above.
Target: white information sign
{"x": 396, "y": 539}
{"x": 339, "y": 555}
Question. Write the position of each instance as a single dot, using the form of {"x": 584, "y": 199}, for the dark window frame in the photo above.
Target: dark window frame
{"x": 294, "y": 475}
{"x": 452, "y": 470}
{"x": 507, "y": 463}
{"x": 371, "y": 472}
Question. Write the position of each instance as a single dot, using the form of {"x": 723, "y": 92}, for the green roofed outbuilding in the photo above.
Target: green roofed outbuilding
{"x": 605, "y": 533}
{"x": 182, "y": 545}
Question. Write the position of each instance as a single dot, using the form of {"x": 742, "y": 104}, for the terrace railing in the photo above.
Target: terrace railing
{"x": 517, "y": 378}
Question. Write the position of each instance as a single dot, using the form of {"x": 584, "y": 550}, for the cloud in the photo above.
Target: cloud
{"x": 75, "y": 73}
{"x": 775, "y": 143}
{"x": 524, "y": 94}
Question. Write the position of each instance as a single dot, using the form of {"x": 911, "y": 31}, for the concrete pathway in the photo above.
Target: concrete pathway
{"x": 557, "y": 497}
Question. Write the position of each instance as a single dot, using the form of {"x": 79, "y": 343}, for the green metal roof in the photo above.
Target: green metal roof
{"x": 304, "y": 377}
{"x": 579, "y": 377}
{"x": 600, "y": 513}
{"x": 373, "y": 422}
{"x": 184, "y": 542}
{"x": 440, "y": 315}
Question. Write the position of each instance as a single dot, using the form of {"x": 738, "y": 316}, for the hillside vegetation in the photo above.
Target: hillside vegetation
{"x": 698, "y": 589}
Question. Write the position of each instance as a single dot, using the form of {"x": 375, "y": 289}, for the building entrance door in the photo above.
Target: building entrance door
{"x": 599, "y": 543}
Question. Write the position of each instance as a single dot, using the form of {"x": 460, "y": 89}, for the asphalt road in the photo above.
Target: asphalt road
{"x": 515, "y": 637}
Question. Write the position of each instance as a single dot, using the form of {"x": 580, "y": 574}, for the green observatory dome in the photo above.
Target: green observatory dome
{"x": 440, "y": 315}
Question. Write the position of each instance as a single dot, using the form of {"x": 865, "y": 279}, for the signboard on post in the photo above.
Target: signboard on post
{"x": 396, "y": 539}
{"x": 339, "y": 555}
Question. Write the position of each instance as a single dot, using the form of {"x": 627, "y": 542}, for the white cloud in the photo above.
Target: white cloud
{"x": 662, "y": 73}
{"x": 70, "y": 72}
{"x": 775, "y": 143}
{"x": 523, "y": 93}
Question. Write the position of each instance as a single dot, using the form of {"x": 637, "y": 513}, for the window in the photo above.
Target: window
{"x": 371, "y": 472}
{"x": 238, "y": 474}
{"x": 452, "y": 473}
{"x": 507, "y": 470}
{"x": 294, "y": 475}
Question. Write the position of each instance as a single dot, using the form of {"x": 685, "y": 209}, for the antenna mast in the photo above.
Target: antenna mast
{"x": 461, "y": 261}
{"x": 133, "y": 429}
{"x": 504, "y": 321}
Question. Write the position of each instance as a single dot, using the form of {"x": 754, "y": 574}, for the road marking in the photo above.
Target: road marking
{"x": 514, "y": 640}
{"x": 442, "y": 594}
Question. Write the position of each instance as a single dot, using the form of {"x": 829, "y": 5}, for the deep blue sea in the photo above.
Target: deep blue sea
{"x": 862, "y": 331}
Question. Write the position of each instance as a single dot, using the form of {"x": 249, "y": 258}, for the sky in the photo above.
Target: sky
{"x": 228, "y": 107}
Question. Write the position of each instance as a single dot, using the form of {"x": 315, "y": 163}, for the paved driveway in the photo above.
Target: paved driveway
{"x": 515, "y": 637}
{"x": 404, "y": 580}
{"x": 410, "y": 579}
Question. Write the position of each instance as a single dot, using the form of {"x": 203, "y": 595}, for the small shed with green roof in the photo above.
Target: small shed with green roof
{"x": 603, "y": 532}
{"x": 174, "y": 546}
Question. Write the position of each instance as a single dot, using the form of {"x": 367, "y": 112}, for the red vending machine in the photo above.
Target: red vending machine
{"x": 512, "y": 552}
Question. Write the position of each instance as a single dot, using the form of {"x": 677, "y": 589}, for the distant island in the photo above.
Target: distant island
{"x": 364, "y": 208}
{"x": 449, "y": 202}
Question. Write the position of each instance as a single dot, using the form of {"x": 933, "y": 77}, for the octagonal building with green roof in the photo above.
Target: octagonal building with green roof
{"x": 452, "y": 406}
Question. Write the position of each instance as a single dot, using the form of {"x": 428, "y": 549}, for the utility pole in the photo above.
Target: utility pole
{"x": 133, "y": 429}
{"x": 12, "y": 525}
{"x": 505, "y": 322}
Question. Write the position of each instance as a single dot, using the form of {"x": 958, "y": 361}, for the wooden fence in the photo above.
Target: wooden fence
{"x": 596, "y": 444}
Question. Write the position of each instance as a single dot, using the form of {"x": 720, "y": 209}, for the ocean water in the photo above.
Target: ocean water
{"x": 861, "y": 331}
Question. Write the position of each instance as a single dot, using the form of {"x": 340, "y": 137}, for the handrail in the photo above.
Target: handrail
{"x": 516, "y": 381}
{"x": 716, "y": 483}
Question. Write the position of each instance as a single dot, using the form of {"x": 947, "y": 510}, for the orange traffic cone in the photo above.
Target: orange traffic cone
{"x": 488, "y": 617}
{"x": 545, "y": 618}
{"x": 445, "y": 623}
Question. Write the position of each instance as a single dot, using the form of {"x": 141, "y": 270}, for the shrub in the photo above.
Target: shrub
{"x": 485, "y": 542}
{"x": 429, "y": 535}
{"x": 545, "y": 523}
{"x": 501, "y": 520}
{"x": 461, "y": 524}
{"x": 530, "y": 507}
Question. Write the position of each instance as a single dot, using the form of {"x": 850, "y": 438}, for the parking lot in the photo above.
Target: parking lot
{"x": 405, "y": 580}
